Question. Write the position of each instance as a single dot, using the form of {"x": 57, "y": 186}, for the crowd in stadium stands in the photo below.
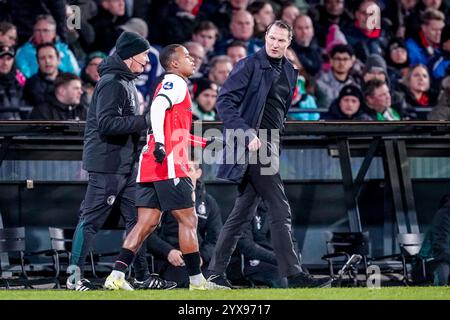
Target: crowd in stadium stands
{"x": 355, "y": 62}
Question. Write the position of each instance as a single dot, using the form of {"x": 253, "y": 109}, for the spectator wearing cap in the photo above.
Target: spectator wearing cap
{"x": 89, "y": 74}
{"x": 364, "y": 35}
{"x": 331, "y": 82}
{"x": 241, "y": 28}
{"x": 8, "y": 34}
{"x": 417, "y": 88}
{"x": 111, "y": 14}
{"x": 381, "y": 106}
{"x": 439, "y": 64}
{"x": 348, "y": 106}
{"x": 425, "y": 45}
{"x": 11, "y": 84}
{"x": 305, "y": 46}
{"x": 397, "y": 61}
{"x": 148, "y": 79}
{"x": 331, "y": 12}
{"x": 42, "y": 84}
{"x": 64, "y": 104}
{"x": 44, "y": 30}
{"x": 205, "y": 97}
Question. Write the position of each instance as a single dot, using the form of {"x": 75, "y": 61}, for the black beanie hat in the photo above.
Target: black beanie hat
{"x": 130, "y": 44}
{"x": 351, "y": 90}
{"x": 202, "y": 85}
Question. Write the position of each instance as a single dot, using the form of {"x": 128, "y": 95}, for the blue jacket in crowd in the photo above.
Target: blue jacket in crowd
{"x": 27, "y": 62}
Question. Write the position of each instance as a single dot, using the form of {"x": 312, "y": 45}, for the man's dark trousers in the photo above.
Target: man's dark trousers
{"x": 270, "y": 189}
{"x": 104, "y": 192}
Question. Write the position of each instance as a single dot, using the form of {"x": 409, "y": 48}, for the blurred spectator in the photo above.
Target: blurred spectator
{"x": 89, "y": 74}
{"x": 303, "y": 97}
{"x": 441, "y": 62}
{"x": 305, "y": 46}
{"x": 164, "y": 242}
{"x": 397, "y": 60}
{"x": 197, "y": 52}
{"x": 44, "y": 31}
{"x": 442, "y": 110}
{"x": 180, "y": 26}
{"x": 221, "y": 12}
{"x": 263, "y": 15}
{"x": 379, "y": 103}
{"x": 237, "y": 50}
{"x": 288, "y": 12}
{"x": 8, "y": 34}
{"x": 364, "y": 35}
{"x": 331, "y": 12}
{"x": 398, "y": 12}
{"x": 111, "y": 14}
{"x": 416, "y": 88}
{"x": 84, "y": 37}
{"x": 220, "y": 68}
{"x": 23, "y": 14}
{"x": 42, "y": 84}
{"x": 331, "y": 82}
{"x": 348, "y": 106}
{"x": 206, "y": 33}
{"x": 64, "y": 104}
{"x": 11, "y": 84}
{"x": 375, "y": 68}
{"x": 425, "y": 45}
{"x": 205, "y": 97}
{"x": 436, "y": 245}
{"x": 241, "y": 28}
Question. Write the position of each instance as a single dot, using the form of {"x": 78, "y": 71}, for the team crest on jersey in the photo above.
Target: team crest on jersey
{"x": 168, "y": 85}
{"x": 145, "y": 149}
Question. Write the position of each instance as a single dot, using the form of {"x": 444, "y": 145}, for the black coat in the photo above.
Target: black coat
{"x": 161, "y": 242}
{"x": 37, "y": 89}
{"x": 310, "y": 57}
{"x": 11, "y": 93}
{"x": 335, "y": 113}
{"x": 112, "y": 126}
{"x": 241, "y": 103}
{"x": 52, "y": 109}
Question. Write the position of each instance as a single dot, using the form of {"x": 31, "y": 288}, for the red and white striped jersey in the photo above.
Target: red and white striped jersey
{"x": 177, "y": 137}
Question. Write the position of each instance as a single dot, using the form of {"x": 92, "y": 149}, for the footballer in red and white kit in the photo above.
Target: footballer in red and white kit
{"x": 177, "y": 137}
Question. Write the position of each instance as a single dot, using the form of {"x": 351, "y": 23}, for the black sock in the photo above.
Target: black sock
{"x": 125, "y": 258}
{"x": 192, "y": 261}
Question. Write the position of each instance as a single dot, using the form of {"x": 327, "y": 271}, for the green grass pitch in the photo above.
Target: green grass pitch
{"x": 388, "y": 293}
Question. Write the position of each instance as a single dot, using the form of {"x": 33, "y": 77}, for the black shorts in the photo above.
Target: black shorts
{"x": 166, "y": 195}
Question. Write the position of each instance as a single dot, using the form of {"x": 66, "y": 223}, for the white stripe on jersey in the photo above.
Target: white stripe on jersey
{"x": 170, "y": 166}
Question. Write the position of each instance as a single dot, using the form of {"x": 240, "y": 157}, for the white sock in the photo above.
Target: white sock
{"x": 197, "y": 280}
{"x": 118, "y": 274}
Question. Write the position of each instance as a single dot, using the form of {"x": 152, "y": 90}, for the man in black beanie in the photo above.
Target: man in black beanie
{"x": 111, "y": 140}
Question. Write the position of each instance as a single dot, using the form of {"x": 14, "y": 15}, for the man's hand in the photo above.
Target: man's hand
{"x": 254, "y": 145}
{"x": 159, "y": 152}
{"x": 175, "y": 258}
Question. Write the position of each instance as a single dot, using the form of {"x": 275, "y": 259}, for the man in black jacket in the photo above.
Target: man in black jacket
{"x": 164, "y": 244}
{"x": 64, "y": 103}
{"x": 110, "y": 150}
